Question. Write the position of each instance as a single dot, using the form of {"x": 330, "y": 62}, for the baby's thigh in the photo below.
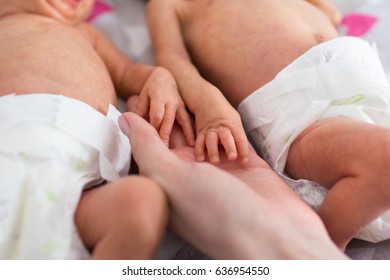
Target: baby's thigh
{"x": 130, "y": 204}
{"x": 334, "y": 148}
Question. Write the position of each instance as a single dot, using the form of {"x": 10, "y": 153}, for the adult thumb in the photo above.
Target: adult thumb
{"x": 145, "y": 142}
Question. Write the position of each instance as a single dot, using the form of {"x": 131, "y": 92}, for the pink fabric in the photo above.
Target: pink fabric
{"x": 99, "y": 9}
{"x": 358, "y": 24}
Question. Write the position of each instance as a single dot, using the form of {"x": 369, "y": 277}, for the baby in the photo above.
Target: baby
{"x": 313, "y": 104}
{"x": 59, "y": 138}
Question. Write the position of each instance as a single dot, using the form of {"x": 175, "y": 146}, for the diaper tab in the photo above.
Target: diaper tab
{"x": 98, "y": 131}
{"x": 263, "y": 105}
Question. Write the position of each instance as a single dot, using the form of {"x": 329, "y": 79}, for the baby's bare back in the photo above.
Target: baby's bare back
{"x": 41, "y": 55}
{"x": 241, "y": 45}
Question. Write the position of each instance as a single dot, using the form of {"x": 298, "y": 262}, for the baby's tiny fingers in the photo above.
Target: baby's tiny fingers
{"x": 212, "y": 146}
{"x": 242, "y": 145}
{"x": 184, "y": 120}
{"x": 228, "y": 143}
{"x": 142, "y": 106}
{"x": 156, "y": 114}
{"x": 167, "y": 124}
{"x": 199, "y": 147}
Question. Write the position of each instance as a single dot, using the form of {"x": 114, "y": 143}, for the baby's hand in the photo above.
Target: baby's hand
{"x": 160, "y": 97}
{"x": 220, "y": 126}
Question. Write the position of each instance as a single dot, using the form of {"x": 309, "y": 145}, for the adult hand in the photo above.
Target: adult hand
{"x": 249, "y": 215}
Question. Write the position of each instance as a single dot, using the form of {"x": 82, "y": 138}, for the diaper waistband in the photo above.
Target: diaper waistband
{"x": 77, "y": 119}
{"x": 340, "y": 68}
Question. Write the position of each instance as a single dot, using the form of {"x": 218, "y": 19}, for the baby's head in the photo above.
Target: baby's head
{"x": 68, "y": 11}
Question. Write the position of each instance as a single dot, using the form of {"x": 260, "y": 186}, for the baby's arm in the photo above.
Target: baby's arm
{"x": 216, "y": 121}
{"x": 329, "y": 9}
{"x": 160, "y": 100}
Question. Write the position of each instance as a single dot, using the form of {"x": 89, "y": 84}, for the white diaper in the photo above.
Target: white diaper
{"x": 51, "y": 148}
{"x": 341, "y": 77}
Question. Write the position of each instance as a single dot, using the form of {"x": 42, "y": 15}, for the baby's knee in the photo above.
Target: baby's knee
{"x": 143, "y": 193}
{"x": 379, "y": 160}
{"x": 143, "y": 206}
{"x": 375, "y": 167}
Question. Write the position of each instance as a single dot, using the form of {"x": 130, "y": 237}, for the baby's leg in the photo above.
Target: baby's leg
{"x": 351, "y": 159}
{"x": 125, "y": 219}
